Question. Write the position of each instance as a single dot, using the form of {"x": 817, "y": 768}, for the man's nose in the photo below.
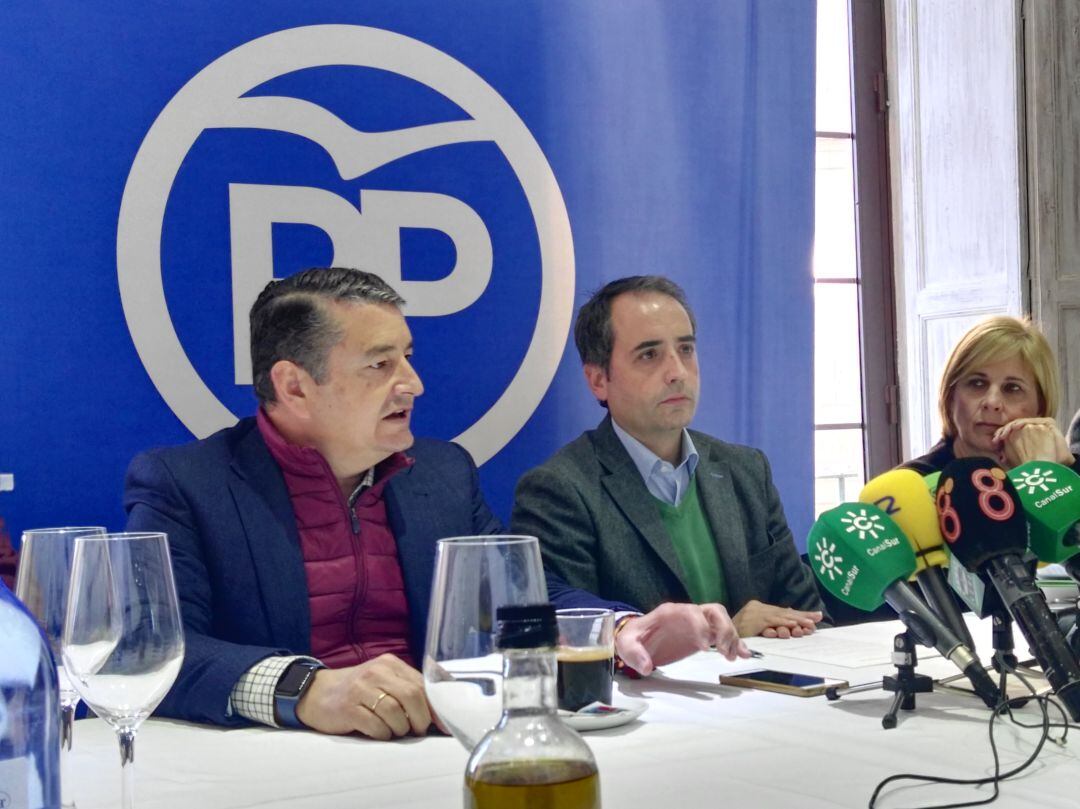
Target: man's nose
{"x": 675, "y": 369}
{"x": 409, "y": 383}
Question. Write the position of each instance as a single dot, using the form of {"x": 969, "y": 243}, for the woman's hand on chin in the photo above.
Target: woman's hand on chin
{"x": 1032, "y": 439}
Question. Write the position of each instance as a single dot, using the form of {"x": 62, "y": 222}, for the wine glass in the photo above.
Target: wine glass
{"x": 123, "y": 640}
{"x": 42, "y": 585}
{"x": 474, "y": 576}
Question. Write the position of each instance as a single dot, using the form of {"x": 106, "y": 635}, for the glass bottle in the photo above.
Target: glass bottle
{"x": 530, "y": 758}
{"x": 29, "y": 712}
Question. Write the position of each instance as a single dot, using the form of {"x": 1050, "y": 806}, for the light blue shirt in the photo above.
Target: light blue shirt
{"x": 664, "y": 481}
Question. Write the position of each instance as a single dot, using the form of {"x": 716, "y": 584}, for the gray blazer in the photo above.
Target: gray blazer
{"x": 600, "y": 529}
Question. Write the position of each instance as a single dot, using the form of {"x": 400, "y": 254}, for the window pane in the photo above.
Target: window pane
{"x": 834, "y": 210}
{"x": 833, "y": 67}
{"x": 837, "y": 375}
{"x": 838, "y": 468}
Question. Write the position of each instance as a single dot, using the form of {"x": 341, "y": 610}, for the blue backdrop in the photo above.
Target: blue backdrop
{"x": 158, "y": 164}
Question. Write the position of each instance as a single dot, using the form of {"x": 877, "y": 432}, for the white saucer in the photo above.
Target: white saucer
{"x": 598, "y": 716}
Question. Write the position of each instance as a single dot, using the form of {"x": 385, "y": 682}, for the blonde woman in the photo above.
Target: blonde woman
{"x": 998, "y": 398}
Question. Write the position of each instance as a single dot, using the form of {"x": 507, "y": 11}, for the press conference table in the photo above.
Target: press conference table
{"x": 698, "y": 744}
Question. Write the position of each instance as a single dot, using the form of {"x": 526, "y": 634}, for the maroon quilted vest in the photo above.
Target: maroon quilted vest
{"x": 355, "y": 589}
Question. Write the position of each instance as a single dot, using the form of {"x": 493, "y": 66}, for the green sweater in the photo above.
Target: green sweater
{"x": 695, "y": 547}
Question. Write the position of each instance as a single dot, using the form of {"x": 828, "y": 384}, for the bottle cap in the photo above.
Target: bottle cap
{"x": 527, "y": 627}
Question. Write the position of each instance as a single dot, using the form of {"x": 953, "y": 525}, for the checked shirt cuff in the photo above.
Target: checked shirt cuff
{"x": 253, "y": 695}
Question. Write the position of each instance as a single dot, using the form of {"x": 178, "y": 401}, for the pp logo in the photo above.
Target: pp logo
{"x": 863, "y": 523}
{"x": 1033, "y": 479}
{"x": 827, "y": 559}
{"x": 363, "y": 232}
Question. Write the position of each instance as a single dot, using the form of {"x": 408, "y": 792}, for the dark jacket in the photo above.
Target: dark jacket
{"x": 601, "y": 530}
{"x": 236, "y": 551}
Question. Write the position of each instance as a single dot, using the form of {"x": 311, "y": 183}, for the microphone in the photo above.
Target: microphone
{"x": 974, "y": 589}
{"x": 982, "y": 519}
{"x": 1050, "y": 495}
{"x": 904, "y": 496}
{"x": 860, "y": 556}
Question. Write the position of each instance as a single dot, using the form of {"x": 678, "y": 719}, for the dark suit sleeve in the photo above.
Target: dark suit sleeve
{"x": 549, "y": 508}
{"x": 211, "y": 666}
{"x": 484, "y": 521}
{"x": 791, "y": 583}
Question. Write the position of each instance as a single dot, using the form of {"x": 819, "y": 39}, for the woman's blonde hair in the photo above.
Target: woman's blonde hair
{"x": 1000, "y": 338}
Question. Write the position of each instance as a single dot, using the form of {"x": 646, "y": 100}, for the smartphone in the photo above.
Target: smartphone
{"x": 801, "y": 685}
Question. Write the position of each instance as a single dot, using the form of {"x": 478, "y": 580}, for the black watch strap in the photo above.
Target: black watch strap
{"x": 291, "y": 686}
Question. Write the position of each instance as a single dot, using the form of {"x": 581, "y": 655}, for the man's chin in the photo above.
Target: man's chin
{"x": 400, "y": 441}
{"x": 680, "y": 418}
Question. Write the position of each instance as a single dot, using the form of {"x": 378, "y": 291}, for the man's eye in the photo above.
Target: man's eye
{"x": 378, "y": 366}
{"x": 687, "y": 349}
{"x": 647, "y": 355}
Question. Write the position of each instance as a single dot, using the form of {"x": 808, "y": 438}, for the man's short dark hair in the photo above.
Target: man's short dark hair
{"x": 290, "y": 320}
{"x": 592, "y": 330}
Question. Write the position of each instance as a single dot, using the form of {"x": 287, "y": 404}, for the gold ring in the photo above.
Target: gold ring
{"x": 382, "y": 695}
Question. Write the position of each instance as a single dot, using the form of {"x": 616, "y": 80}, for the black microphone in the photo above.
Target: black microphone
{"x": 1072, "y": 567}
{"x": 982, "y": 519}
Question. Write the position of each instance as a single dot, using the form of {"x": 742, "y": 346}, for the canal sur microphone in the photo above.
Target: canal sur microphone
{"x": 860, "y": 556}
{"x": 982, "y": 519}
{"x": 903, "y": 495}
{"x": 1050, "y": 494}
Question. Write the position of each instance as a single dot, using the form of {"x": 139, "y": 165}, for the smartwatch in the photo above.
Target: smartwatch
{"x": 291, "y": 686}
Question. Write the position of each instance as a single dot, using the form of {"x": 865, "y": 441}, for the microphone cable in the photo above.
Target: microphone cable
{"x": 1044, "y": 701}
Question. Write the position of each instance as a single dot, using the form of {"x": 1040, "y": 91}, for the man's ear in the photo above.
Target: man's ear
{"x": 597, "y": 379}
{"x": 292, "y": 385}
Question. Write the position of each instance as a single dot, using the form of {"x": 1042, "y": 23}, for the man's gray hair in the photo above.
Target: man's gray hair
{"x": 592, "y": 331}
{"x": 290, "y": 320}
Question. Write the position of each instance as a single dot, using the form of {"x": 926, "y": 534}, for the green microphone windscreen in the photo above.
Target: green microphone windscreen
{"x": 1050, "y": 494}
{"x": 857, "y": 551}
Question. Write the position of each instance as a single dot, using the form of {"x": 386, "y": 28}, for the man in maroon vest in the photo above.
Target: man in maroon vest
{"x": 303, "y": 539}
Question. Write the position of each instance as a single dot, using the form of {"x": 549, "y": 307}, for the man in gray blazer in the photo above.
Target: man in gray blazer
{"x": 643, "y": 510}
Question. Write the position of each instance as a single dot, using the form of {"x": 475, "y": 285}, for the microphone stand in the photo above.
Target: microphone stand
{"x": 1002, "y": 634}
{"x": 905, "y": 684}
{"x": 1005, "y": 660}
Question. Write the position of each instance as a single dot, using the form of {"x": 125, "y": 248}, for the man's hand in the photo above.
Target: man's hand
{"x": 770, "y": 621}
{"x": 1032, "y": 439}
{"x": 673, "y": 631}
{"x": 381, "y": 698}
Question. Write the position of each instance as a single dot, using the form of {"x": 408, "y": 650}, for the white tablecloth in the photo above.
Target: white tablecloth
{"x": 699, "y": 744}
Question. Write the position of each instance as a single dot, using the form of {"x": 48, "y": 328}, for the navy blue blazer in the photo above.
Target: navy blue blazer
{"x": 237, "y": 560}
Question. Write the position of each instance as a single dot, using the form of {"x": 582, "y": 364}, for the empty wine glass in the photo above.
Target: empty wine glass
{"x": 474, "y": 576}
{"x": 123, "y": 640}
{"x": 42, "y": 585}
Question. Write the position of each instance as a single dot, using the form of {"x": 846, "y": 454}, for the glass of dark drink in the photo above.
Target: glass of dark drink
{"x": 586, "y": 657}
